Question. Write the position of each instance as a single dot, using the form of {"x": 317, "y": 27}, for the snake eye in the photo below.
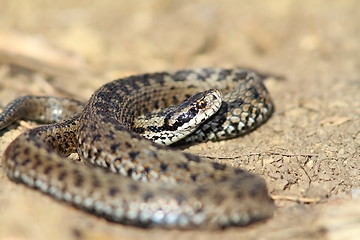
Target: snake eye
{"x": 201, "y": 104}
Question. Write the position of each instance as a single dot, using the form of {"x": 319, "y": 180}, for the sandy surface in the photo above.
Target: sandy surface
{"x": 309, "y": 151}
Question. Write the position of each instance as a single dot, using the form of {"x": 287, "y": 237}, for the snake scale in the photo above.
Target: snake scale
{"x": 129, "y": 179}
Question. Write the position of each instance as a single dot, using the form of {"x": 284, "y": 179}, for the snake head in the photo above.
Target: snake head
{"x": 192, "y": 112}
{"x": 176, "y": 122}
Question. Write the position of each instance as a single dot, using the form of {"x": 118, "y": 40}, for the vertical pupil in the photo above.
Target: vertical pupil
{"x": 202, "y": 104}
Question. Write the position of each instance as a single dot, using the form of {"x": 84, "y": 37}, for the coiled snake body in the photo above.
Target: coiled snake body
{"x": 138, "y": 181}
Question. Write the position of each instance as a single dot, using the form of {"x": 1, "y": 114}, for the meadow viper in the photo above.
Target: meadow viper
{"x": 138, "y": 181}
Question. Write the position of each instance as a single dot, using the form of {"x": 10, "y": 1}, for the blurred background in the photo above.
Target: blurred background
{"x": 308, "y": 151}
{"x": 109, "y": 38}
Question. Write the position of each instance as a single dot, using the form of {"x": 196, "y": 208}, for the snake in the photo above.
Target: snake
{"x": 127, "y": 135}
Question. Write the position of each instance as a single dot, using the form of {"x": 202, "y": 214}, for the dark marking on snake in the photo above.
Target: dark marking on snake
{"x": 129, "y": 179}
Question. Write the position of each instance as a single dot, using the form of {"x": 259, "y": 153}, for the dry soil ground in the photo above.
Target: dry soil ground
{"x": 309, "y": 151}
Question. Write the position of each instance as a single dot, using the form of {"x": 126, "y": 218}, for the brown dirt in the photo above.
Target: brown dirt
{"x": 308, "y": 152}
